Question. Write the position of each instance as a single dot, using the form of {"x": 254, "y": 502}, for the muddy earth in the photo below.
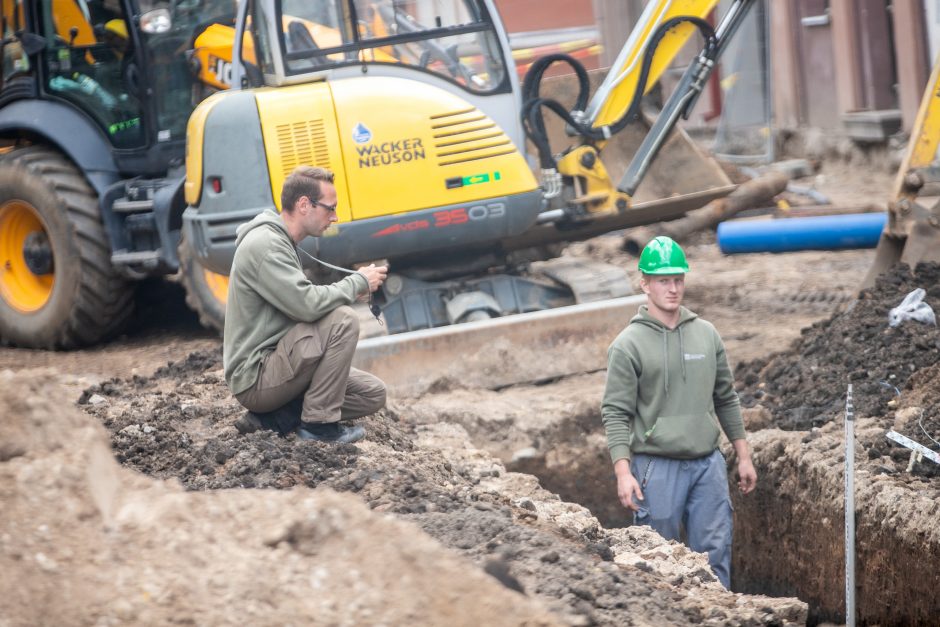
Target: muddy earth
{"x": 512, "y": 487}
{"x": 806, "y": 386}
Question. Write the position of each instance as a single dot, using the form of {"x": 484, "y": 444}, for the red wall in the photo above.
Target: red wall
{"x": 525, "y": 15}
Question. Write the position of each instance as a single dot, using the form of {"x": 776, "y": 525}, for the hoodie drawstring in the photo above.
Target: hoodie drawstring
{"x": 666, "y": 360}
{"x": 681, "y": 353}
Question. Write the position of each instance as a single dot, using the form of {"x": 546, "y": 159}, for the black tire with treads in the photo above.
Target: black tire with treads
{"x": 90, "y": 301}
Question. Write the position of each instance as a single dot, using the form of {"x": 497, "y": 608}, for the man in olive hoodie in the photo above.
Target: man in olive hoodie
{"x": 288, "y": 344}
{"x": 669, "y": 395}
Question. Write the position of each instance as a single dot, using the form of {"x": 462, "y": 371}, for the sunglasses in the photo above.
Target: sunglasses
{"x": 324, "y": 205}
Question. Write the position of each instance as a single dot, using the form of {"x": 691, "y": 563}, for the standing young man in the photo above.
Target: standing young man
{"x": 669, "y": 395}
{"x": 288, "y": 344}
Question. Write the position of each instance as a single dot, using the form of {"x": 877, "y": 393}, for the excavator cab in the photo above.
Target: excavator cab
{"x": 460, "y": 42}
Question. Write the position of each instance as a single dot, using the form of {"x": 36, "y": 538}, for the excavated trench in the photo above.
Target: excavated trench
{"x": 789, "y": 533}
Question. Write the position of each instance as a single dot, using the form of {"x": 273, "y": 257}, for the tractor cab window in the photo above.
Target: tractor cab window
{"x": 188, "y": 48}
{"x": 15, "y": 60}
{"x": 453, "y": 38}
{"x": 88, "y": 59}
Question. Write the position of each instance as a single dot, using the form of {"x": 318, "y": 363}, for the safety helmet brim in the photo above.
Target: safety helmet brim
{"x": 668, "y": 270}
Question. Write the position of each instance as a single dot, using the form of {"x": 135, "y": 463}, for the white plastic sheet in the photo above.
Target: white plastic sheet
{"x": 912, "y": 307}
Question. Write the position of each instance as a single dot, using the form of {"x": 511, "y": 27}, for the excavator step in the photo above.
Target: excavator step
{"x": 132, "y": 206}
{"x": 500, "y": 352}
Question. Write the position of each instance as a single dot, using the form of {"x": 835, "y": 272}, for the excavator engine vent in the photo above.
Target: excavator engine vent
{"x": 467, "y": 135}
{"x": 302, "y": 143}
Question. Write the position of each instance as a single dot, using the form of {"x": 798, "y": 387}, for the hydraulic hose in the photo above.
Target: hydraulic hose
{"x": 533, "y": 119}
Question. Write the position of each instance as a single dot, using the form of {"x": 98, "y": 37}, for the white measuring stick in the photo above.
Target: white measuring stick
{"x": 914, "y": 446}
{"x": 849, "y": 510}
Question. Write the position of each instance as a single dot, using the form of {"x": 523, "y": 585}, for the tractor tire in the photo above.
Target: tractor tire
{"x": 206, "y": 291}
{"x": 58, "y": 289}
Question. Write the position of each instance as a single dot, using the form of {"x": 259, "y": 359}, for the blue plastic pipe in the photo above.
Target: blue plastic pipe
{"x": 857, "y": 230}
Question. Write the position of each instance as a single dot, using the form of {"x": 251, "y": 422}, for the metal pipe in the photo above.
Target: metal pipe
{"x": 660, "y": 131}
{"x": 860, "y": 230}
{"x": 553, "y": 215}
{"x": 240, "y": 23}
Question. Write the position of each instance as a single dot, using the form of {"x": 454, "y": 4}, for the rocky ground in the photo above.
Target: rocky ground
{"x": 468, "y": 480}
{"x": 74, "y": 520}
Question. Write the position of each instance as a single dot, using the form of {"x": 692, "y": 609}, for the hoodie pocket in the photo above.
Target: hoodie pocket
{"x": 686, "y": 435}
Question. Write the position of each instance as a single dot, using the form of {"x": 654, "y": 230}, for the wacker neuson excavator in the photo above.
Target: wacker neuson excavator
{"x": 414, "y": 104}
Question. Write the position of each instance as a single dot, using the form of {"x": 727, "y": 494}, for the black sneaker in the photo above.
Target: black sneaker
{"x": 283, "y": 420}
{"x": 331, "y": 432}
{"x": 248, "y": 423}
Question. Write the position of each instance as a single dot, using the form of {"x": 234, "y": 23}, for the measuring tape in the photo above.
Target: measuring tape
{"x": 914, "y": 446}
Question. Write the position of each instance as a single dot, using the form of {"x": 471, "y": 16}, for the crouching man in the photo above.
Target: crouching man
{"x": 288, "y": 344}
{"x": 668, "y": 397}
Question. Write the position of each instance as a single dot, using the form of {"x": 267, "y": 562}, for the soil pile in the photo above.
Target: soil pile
{"x": 84, "y": 541}
{"x": 178, "y": 424}
{"x": 806, "y": 386}
{"x": 791, "y": 540}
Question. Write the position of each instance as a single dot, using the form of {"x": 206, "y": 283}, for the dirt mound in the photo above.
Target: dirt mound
{"x": 805, "y": 387}
{"x": 178, "y": 425}
{"x": 84, "y": 541}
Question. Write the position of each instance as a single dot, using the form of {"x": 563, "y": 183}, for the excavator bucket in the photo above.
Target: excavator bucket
{"x": 911, "y": 236}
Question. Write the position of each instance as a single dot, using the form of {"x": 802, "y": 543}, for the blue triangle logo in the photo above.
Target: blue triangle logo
{"x": 361, "y": 133}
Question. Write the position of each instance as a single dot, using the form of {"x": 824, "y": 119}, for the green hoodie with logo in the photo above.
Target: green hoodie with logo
{"x": 268, "y": 294}
{"x": 669, "y": 392}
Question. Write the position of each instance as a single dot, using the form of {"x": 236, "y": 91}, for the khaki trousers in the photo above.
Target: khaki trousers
{"x": 313, "y": 361}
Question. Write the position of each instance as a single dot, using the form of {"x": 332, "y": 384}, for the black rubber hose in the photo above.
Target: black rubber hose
{"x": 533, "y": 119}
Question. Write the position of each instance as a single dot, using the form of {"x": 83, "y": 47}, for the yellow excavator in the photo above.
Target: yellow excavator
{"x": 414, "y": 105}
{"x": 912, "y": 231}
{"x": 416, "y": 108}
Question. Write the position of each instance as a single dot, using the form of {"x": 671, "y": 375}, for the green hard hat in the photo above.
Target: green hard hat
{"x": 663, "y": 256}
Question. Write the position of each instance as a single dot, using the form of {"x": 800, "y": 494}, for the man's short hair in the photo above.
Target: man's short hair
{"x": 303, "y": 181}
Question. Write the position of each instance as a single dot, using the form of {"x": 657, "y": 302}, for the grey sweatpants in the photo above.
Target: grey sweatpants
{"x": 314, "y": 360}
{"x": 692, "y": 494}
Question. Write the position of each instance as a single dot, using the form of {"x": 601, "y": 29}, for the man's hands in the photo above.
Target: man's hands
{"x": 747, "y": 476}
{"x": 627, "y": 485}
{"x": 375, "y": 275}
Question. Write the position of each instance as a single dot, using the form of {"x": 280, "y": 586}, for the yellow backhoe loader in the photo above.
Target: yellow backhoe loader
{"x": 414, "y": 105}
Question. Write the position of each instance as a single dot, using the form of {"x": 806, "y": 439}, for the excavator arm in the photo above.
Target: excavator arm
{"x": 664, "y": 28}
{"x": 912, "y": 230}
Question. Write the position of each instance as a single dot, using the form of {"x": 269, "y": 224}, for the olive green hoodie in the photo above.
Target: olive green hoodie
{"x": 268, "y": 294}
{"x": 668, "y": 390}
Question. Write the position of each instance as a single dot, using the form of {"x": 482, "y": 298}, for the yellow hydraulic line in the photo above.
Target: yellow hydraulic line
{"x": 628, "y": 73}
{"x": 925, "y": 136}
